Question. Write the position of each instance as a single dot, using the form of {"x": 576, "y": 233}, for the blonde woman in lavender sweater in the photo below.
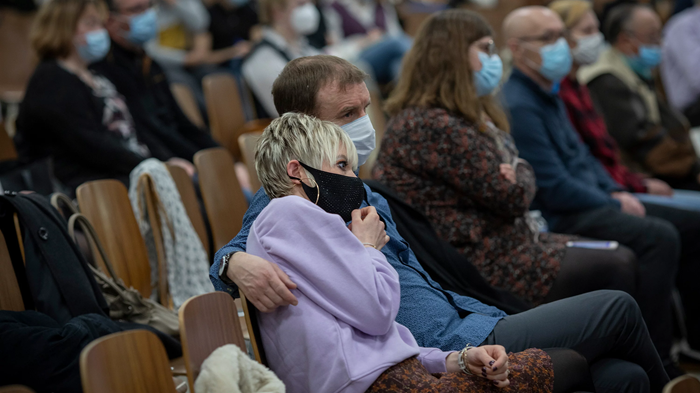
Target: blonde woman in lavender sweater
{"x": 342, "y": 337}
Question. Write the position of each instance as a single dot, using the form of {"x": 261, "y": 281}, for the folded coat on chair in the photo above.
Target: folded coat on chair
{"x": 187, "y": 261}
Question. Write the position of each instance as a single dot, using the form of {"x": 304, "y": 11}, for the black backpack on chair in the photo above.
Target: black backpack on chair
{"x": 42, "y": 349}
{"x": 56, "y": 275}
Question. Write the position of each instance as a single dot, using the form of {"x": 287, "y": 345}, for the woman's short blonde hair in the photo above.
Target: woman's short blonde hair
{"x": 296, "y": 136}
{"x": 54, "y": 27}
{"x": 571, "y": 11}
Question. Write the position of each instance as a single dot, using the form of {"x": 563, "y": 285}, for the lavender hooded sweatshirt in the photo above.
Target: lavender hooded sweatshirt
{"x": 342, "y": 334}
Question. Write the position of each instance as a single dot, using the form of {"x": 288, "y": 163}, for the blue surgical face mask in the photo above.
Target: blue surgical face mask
{"x": 489, "y": 76}
{"x": 362, "y": 134}
{"x": 649, "y": 57}
{"x": 143, "y": 27}
{"x": 96, "y": 46}
{"x": 556, "y": 61}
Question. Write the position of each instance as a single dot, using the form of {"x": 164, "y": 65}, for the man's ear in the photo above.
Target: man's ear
{"x": 625, "y": 43}
{"x": 514, "y": 46}
{"x": 112, "y": 25}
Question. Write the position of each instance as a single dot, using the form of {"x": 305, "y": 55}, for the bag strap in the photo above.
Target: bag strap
{"x": 60, "y": 201}
{"x": 151, "y": 206}
{"x": 146, "y": 185}
{"x": 91, "y": 235}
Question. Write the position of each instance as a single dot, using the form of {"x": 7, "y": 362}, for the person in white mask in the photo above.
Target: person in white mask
{"x": 286, "y": 22}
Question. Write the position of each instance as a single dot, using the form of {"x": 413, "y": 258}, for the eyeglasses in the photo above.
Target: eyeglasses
{"x": 547, "y": 38}
{"x": 654, "y": 39}
{"x": 136, "y": 9}
{"x": 488, "y": 47}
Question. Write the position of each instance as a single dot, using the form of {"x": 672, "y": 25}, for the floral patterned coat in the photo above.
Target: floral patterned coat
{"x": 448, "y": 169}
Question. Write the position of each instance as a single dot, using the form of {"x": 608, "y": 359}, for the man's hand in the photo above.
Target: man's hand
{"x": 262, "y": 282}
{"x": 508, "y": 172}
{"x": 242, "y": 48}
{"x": 658, "y": 187}
{"x": 630, "y": 204}
{"x": 372, "y": 37}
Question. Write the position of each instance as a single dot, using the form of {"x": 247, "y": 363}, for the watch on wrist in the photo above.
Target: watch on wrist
{"x": 224, "y": 268}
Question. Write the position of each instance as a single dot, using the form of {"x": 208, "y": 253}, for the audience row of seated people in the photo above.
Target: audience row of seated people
{"x": 427, "y": 155}
{"x": 364, "y": 33}
{"x": 96, "y": 104}
{"x": 447, "y": 155}
{"x": 591, "y": 126}
{"x": 192, "y": 43}
{"x": 136, "y": 116}
{"x": 314, "y": 300}
{"x": 364, "y": 320}
{"x": 575, "y": 193}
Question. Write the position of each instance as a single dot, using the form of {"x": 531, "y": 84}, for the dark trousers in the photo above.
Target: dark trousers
{"x": 692, "y": 113}
{"x": 657, "y": 245}
{"x": 687, "y": 223}
{"x": 606, "y": 327}
{"x": 584, "y": 270}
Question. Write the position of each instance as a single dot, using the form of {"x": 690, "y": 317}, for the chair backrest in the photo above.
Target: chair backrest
{"x": 7, "y": 146}
{"x": 15, "y": 389}
{"x": 133, "y": 361}
{"x": 106, "y": 204}
{"x": 152, "y": 209}
{"x": 225, "y": 109}
{"x": 207, "y": 322}
{"x": 683, "y": 384}
{"x": 247, "y": 142}
{"x": 17, "y": 60}
{"x": 251, "y": 320}
{"x": 185, "y": 99}
{"x": 189, "y": 199}
{"x": 223, "y": 198}
{"x": 10, "y": 293}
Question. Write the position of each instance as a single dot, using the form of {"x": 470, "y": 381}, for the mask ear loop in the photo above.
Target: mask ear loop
{"x": 318, "y": 189}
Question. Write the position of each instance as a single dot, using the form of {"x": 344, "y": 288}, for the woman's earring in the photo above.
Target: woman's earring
{"x": 318, "y": 190}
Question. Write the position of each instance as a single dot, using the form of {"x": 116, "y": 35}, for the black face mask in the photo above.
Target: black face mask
{"x": 336, "y": 194}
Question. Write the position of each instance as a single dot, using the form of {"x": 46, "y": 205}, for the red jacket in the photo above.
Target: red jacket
{"x": 590, "y": 126}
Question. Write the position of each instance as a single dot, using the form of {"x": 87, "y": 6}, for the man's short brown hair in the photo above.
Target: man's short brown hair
{"x": 297, "y": 86}
{"x": 54, "y": 27}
